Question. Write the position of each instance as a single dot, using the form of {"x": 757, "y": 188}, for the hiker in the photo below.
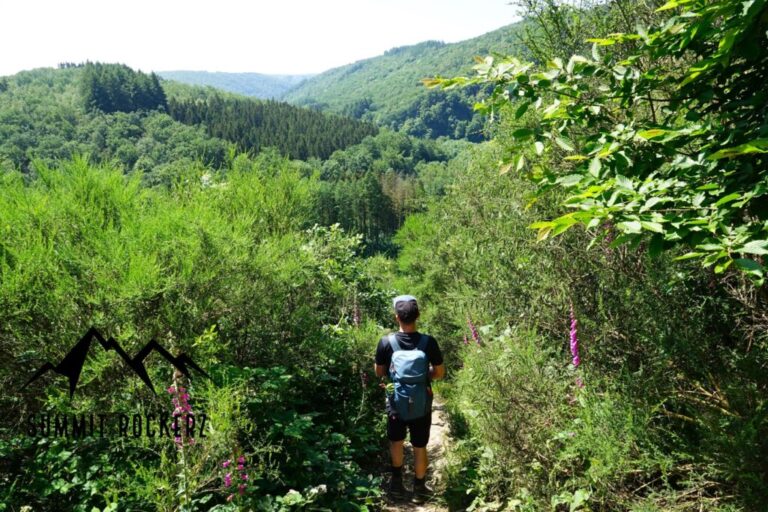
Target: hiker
{"x": 412, "y": 360}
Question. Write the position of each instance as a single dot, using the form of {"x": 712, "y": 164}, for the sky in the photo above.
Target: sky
{"x": 275, "y": 37}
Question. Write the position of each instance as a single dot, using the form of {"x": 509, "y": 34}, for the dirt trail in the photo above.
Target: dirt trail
{"x": 438, "y": 437}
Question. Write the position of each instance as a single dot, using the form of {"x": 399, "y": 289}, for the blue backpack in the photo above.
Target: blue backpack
{"x": 409, "y": 371}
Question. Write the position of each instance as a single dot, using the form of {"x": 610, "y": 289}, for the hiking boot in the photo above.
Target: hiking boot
{"x": 396, "y": 487}
{"x": 421, "y": 493}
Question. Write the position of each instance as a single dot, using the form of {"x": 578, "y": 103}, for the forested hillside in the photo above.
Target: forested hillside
{"x": 594, "y": 275}
{"x": 255, "y": 125}
{"x": 388, "y": 90}
{"x": 116, "y": 114}
{"x": 257, "y": 85}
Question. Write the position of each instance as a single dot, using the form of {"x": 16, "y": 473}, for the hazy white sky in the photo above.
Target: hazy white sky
{"x": 284, "y": 37}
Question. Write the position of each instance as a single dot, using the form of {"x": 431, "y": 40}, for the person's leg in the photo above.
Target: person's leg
{"x": 419, "y": 430}
{"x": 396, "y": 430}
{"x": 396, "y": 452}
{"x": 420, "y": 462}
{"x": 419, "y": 439}
{"x": 396, "y": 434}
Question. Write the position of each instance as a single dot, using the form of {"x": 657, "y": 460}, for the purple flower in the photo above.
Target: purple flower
{"x": 574, "y": 339}
{"x": 226, "y": 463}
{"x": 475, "y": 335}
{"x": 241, "y": 459}
{"x": 244, "y": 476}
{"x": 241, "y": 489}
{"x": 228, "y": 479}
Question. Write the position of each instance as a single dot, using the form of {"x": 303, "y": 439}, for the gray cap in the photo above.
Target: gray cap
{"x": 403, "y": 298}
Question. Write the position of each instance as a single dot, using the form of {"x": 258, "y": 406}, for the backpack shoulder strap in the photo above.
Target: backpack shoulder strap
{"x": 423, "y": 342}
{"x": 394, "y": 343}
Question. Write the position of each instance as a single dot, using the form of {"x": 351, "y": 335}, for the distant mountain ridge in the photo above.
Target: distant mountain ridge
{"x": 383, "y": 88}
{"x": 258, "y": 85}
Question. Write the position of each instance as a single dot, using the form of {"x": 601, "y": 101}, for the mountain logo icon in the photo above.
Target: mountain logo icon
{"x": 72, "y": 364}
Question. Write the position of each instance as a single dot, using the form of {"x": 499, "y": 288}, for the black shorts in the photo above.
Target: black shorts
{"x": 419, "y": 429}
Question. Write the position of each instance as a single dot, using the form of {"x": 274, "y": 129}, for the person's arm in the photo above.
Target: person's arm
{"x": 437, "y": 372}
{"x": 381, "y": 362}
{"x": 437, "y": 368}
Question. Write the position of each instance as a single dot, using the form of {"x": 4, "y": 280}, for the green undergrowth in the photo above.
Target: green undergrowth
{"x": 280, "y": 314}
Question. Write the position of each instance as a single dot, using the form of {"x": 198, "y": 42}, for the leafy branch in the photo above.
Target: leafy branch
{"x": 668, "y": 143}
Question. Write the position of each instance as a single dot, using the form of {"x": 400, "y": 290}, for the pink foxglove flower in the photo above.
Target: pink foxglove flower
{"x": 475, "y": 334}
{"x": 574, "y": 339}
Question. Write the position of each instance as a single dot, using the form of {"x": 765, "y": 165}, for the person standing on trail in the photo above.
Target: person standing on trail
{"x": 411, "y": 360}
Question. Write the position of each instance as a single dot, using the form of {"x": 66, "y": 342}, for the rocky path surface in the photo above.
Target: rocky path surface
{"x": 438, "y": 438}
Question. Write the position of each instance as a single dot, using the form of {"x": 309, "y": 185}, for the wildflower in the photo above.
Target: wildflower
{"x": 181, "y": 410}
{"x": 241, "y": 489}
{"x": 228, "y": 479}
{"x": 241, "y": 459}
{"x": 244, "y": 476}
{"x": 230, "y": 497}
{"x": 574, "y": 340}
{"x": 226, "y": 463}
{"x": 356, "y": 316}
{"x": 475, "y": 335}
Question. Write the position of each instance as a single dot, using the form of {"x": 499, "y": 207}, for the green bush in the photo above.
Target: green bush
{"x": 672, "y": 415}
{"x": 228, "y": 270}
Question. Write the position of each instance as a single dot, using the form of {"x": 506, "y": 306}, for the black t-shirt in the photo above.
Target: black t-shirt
{"x": 407, "y": 341}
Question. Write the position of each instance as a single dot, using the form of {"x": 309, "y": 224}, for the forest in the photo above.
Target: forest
{"x": 592, "y": 266}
